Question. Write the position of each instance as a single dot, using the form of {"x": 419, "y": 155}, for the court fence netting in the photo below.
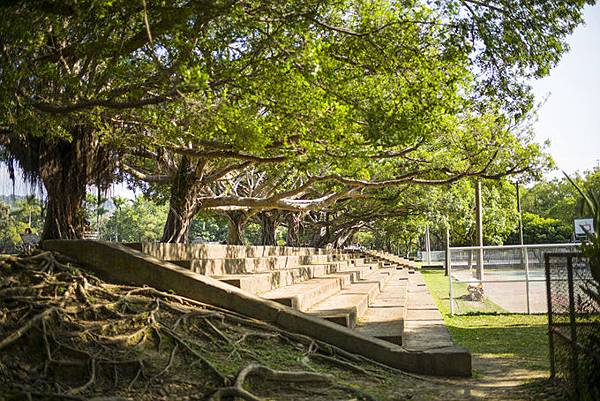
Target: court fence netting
{"x": 501, "y": 279}
{"x": 573, "y": 325}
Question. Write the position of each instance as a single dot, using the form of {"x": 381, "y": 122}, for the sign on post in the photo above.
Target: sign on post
{"x": 584, "y": 226}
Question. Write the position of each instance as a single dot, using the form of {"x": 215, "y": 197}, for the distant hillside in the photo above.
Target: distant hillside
{"x": 10, "y": 199}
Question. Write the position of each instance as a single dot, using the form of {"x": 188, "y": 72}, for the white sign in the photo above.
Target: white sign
{"x": 584, "y": 226}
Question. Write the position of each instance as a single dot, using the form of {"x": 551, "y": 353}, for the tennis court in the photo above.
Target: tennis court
{"x": 508, "y": 289}
{"x": 513, "y": 277}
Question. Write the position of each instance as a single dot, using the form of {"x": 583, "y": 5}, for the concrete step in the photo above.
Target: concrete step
{"x": 224, "y": 266}
{"x": 351, "y": 303}
{"x": 167, "y": 251}
{"x": 257, "y": 283}
{"x": 304, "y": 295}
{"x": 261, "y": 282}
{"x": 346, "y": 256}
{"x": 382, "y": 256}
{"x": 386, "y": 313}
{"x": 125, "y": 265}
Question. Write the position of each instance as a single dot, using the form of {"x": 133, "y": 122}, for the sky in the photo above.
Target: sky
{"x": 569, "y": 116}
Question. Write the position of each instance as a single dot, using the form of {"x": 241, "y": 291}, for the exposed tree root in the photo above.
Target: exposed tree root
{"x": 265, "y": 373}
{"x": 105, "y": 341}
{"x": 14, "y": 336}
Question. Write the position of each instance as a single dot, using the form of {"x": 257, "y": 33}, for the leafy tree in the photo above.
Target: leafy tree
{"x": 28, "y": 210}
{"x": 96, "y": 210}
{"x": 557, "y": 203}
{"x": 555, "y": 199}
{"x": 542, "y": 230}
{"x": 135, "y": 221}
{"x": 257, "y": 80}
{"x": 455, "y": 207}
{"x": 9, "y": 232}
{"x": 209, "y": 227}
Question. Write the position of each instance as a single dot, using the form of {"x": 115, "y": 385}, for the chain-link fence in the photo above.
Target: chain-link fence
{"x": 500, "y": 278}
{"x": 573, "y": 325}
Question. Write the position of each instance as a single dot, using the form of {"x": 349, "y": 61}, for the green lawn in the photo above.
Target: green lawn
{"x": 520, "y": 337}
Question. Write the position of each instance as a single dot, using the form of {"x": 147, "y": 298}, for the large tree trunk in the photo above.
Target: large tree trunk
{"x": 64, "y": 216}
{"x": 183, "y": 204}
{"x": 320, "y": 237}
{"x": 345, "y": 239}
{"x": 236, "y": 226}
{"x": 268, "y": 225}
{"x": 66, "y": 168}
{"x": 293, "y": 233}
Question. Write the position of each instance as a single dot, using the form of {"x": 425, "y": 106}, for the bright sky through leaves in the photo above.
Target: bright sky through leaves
{"x": 570, "y": 117}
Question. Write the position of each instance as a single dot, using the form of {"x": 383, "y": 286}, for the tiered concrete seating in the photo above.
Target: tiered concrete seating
{"x": 385, "y": 257}
{"x": 358, "y": 290}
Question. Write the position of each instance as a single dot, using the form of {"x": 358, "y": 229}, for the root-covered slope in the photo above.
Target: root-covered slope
{"x": 68, "y": 335}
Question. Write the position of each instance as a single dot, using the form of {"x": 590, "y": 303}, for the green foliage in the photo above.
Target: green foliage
{"x": 554, "y": 199}
{"x": 551, "y": 206}
{"x": 9, "y": 232}
{"x": 541, "y": 230}
{"x": 447, "y": 206}
{"x": 136, "y": 220}
{"x": 209, "y": 227}
{"x": 96, "y": 212}
{"x": 455, "y": 206}
{"x": 27, "y": 212}
{"x": 320, "y": 78}
{"x": 364, "y": 90}
{"x": 16, "y": 216}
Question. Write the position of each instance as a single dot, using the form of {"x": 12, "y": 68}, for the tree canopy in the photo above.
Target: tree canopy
{"x": 344, "y": 98}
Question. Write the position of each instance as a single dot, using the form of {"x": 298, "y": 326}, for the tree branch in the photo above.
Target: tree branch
{"x": 159, "y": 178}
{"x": 232, "y": 154}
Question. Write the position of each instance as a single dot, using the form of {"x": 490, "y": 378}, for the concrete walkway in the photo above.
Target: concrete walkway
{"x": 424, "y": 327}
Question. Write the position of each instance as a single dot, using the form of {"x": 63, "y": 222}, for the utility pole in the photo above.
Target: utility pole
{"x": 520, "y": 213}
{"x": 427, "y": 245}
{"x": 447, "y": 264}
{"x": 524, "y": 251}
{"x": 479, "y": 223}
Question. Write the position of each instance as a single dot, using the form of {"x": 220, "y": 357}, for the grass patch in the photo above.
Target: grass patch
{"x": 491, "y": 332}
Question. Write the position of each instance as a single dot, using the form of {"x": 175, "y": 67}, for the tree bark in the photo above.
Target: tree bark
{"x": 293, "y": 233}
{"x": 268, "y": 224}
{"x": 66, "y": 168}
{"x": 183, "y": 204}
{"x": 346, "y": 238}
{"x": 320, "y": 237}
{"x": 236, "y": 226}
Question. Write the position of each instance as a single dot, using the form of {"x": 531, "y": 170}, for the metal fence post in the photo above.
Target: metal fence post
{"x": 550, "y": 323}
{"x": 449, "y": 268}
{"x": 572, "y": 324}
{"x": 526, "y": 251}
{"x": 481, "y": 264}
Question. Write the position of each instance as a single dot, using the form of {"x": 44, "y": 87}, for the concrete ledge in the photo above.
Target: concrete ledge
{"x": 168, "y": 251}
{"x": 126, "y": 265}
